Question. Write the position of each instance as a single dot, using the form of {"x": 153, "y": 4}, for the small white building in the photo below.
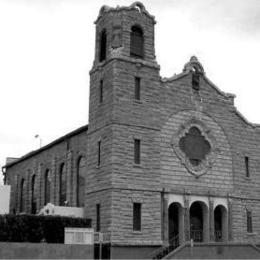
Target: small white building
{"x": 51, "y": 209}
{"x": 4, "y": 198}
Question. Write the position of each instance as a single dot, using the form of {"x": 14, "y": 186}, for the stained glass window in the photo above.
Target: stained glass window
{"x": 195, "y": 146}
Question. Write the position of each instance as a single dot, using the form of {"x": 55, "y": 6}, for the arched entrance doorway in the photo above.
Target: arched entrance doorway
{"x": 176, "y": 223}
{"x": 199, "y": 225}
{"x": 220, "y": 223}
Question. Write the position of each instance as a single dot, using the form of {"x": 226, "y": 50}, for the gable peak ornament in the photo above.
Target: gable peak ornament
{"x": 194, "y": 66}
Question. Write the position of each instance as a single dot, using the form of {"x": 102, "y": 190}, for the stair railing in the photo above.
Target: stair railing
{"x": 196, "y": 235}
{"x": 166, "y": 248}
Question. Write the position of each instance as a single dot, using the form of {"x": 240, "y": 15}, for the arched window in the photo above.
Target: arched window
{"x": 17, "y": 184}
{"x": 47, "y": 187}
{"x": 137, "y": 42}
{"x": 22, "y": 195}
{"x": 63, "y": 184}
{"x": 81, "y": 172}
{"x": 103, "y": 45}
{"x": 33, "y": 201}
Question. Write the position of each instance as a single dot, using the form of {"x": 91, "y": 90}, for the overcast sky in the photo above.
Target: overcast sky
{"x": 47, "y": 50}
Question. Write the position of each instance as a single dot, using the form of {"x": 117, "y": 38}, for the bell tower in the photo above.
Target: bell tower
{"x": 124, "y": 39}
{"x": 124, "y": 124}
{"x": 117, "y": 29}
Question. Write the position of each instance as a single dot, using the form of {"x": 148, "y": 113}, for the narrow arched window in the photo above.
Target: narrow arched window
{"x": 33, "y": 200}
{"x": 22, "y": 202}
{"x": 137, "y": 42}
{"x": 47, "y": 187}
{"x": 17, "y": 184}
{"x": 81, "y": 172}
{"x": 63, "y": 184}
{"x": 103, "y": 45}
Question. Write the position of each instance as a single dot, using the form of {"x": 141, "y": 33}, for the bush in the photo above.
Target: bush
{"x": 31, "y": 228}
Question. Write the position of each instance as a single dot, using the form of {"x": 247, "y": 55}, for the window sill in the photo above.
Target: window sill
{"x": 135, "y": 165}
{"x": 251, "y": 234}
{"x": 101, "y": 63}
{"x": 136, "y": 56}
{"x": 137, "y": 101}
{"x": 136, "y": 232}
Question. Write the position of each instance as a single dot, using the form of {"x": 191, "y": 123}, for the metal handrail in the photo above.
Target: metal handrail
{"x": 166, "y": 248}
{"x": 102, "y": 237}
{"x": 196, "y": 235}
{"x": 218, "y": 236}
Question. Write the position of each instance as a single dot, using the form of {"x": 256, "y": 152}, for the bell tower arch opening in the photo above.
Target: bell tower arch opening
{"x": 103, "y": 45}
{"x": 137, "y": 42}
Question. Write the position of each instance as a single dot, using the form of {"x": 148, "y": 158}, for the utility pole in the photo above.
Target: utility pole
{"x": 40, "y": 139}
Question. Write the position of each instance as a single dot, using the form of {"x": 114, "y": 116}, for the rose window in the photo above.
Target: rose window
{"x": 195, "y": 146}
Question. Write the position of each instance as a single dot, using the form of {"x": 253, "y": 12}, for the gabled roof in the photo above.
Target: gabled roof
{"x": 195, "y": 66}
{"x": 57, "y": 141}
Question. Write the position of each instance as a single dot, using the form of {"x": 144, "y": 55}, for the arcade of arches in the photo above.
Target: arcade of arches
{"x": 200, "y": 220}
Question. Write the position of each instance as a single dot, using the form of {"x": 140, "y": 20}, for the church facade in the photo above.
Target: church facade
{"x": 161, "y": 160}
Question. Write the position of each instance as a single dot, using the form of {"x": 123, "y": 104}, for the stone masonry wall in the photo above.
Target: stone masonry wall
{"x": 104, "y": 199}
{"x": 99, "y": 176}
{"x": 235, "y": 137}
{"x": 127, "y": 174}
{"x": 67, "y": 152}
{"x": 174, "y": 175}
{"x": 128, "y": 111}
{"x": 239, "y": 207}
{"x": 122, "y": 222}
{"x": 117, "y": 121}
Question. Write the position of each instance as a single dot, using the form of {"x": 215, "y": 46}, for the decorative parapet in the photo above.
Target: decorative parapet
{"x": 134, "y": 6}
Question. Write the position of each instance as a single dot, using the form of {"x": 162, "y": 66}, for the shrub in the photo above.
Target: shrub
{"x": 32, "y": 228}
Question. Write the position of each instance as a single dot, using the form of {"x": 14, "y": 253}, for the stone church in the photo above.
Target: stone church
{"x": 161, "y": 159}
